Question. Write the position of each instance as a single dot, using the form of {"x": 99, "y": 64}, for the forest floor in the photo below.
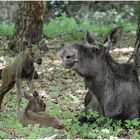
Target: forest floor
{"x": 63, "y": 92}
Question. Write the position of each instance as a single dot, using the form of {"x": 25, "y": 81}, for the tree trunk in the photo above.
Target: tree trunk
{"x": 138, "y": 12}
{"x": 137, "y": 44}
{"x": 28, "y": 25}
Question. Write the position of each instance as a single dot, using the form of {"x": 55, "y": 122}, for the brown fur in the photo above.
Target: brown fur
{"x": 35, "y": 74}
{"x": 34, "y": 114}
{"x": 22, "y": 68}
{"x": 0, "y": 73}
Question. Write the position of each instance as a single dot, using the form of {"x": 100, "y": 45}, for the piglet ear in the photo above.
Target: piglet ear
{"x": 43, "y": 42}
{"x": 27, "y": 96}
{"x": 35, "y": 94}
{"x": 113, "y": 37}
{"x": 89, "y": 38}
{"x": 26, "y": 42}
{"x": 43, "y": 45}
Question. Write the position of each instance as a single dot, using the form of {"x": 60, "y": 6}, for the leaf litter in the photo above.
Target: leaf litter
{"x": 61, "y": 89}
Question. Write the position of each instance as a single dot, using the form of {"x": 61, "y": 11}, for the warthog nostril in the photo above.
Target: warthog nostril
{"x": 39, "y": 61}
{"x": 68, "y": 57}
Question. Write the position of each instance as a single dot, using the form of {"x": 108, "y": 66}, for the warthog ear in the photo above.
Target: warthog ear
{"x": 89, "y": 38}
{"x": 113, "y": 37}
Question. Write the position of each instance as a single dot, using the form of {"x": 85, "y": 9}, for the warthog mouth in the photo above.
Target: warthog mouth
{"x": 68, "y": 64}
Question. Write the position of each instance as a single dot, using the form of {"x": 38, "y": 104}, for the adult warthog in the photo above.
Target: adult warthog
{"x": 114, "y": 89}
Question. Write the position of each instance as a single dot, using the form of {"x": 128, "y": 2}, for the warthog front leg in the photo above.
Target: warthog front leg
{"x": 91, "y": 103}
{"x": 94, "y": 105}
{"x": 19, "y": 95}
{"x": 30, "y": 83}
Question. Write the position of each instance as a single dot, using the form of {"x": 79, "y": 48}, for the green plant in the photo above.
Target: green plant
{"x": 102, "y": 23}
{"x": 63, "y": 102}
{"x": 65, "y": 24}
{"x": 41, "y": 133}
{"x": 136, "y": 135}
{"x": 6, "y": 30}
{"x": 59, "y": 25}
{"x": 130, "y": 124}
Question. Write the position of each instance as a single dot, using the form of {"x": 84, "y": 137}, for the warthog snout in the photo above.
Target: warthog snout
{"x": 69, "y": 56}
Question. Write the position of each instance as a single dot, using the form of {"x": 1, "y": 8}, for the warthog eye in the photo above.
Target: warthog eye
{"x": 95, "y": 50}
